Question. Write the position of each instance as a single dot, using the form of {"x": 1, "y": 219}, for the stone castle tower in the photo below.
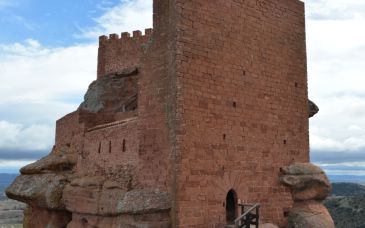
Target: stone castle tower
{"x": 182, "y": 123}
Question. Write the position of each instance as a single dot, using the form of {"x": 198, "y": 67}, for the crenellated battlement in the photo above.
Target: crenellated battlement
{"x": 117, "y": 52}
{"x": 126, "y": 36}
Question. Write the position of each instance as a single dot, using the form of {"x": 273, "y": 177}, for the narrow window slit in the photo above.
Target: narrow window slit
{"x": 99, "y": 148}
{"x": 110, "y": 146}
{"x": 123, "y": 146}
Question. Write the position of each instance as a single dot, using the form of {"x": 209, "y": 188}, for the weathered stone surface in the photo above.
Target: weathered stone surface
{"x": 301, "y": 169}
{"x": 312, "y": 108}
{"x": 268, "y": 225}
{"x": 42, "y": 190}
{"x": 309, "y": 185}
{"x": 310, "y": 214}
{"x": 149, "y": 220}
{"x": 307, "y": 181}
{"x": 92, "y": 200}
{"x": 144, "y": 201}
{"x": 42, "y": 218}
{"x": 88, "y": 181}
{"x": 114, "y": 92}
{"x": 99, "y": 200}
{"x": 60, "y": 159}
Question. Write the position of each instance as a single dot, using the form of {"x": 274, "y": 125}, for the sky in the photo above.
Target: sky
{"x": 48, "y": 52}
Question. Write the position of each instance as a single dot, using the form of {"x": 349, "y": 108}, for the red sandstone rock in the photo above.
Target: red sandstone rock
{"x": 106, "y": 95}
{"x": 312, "y": 108}
{"x": 60, "y": 159}
{"x": 309, "y": 185}
{"x": 42, "y": 190}
{"x": 94, "y": 196}
{"x": 153, "y": 220}
{"x": 310, "y": 214}
{"x": 307, "y": 181}
{"x": 142, "y": 201}
{"x": 42, "y": 218}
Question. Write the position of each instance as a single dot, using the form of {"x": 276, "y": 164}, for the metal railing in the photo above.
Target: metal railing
{"x": 249, "y": 217}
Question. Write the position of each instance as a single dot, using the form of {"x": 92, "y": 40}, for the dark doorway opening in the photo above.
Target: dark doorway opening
{"x": 231, "y": 206}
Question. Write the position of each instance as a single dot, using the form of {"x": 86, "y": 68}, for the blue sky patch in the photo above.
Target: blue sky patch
{"x": 52, "y": 23}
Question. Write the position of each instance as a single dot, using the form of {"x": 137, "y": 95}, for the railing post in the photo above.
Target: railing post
{"x": 247, "y": 217}
{"x": 257, "y": 217}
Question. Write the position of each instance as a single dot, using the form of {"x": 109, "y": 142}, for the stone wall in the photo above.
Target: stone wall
{"x": 110, "y": 147}
{"x": 154, "y": 103}
{"x": 67, "y": 127}
{"x": 241, "y": 70}
{"x": 116, "y": 53}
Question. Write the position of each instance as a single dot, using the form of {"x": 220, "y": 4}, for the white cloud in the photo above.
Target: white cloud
{"x": 335, "y": 9}
{"x": 340, "y": 125}
{"x": 29, "y": 48}
{"x": 128, "y": 16}
{"x": 336, "y": 53}
{"x": 349, "y": 168}
{"x": 11, "y": 166}
{"x": 41, "y": 84}
{"x": 35, "y": 74}
{"x": 33, "y": 137}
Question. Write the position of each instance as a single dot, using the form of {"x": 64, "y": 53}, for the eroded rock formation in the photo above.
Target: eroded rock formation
{"x": 312, "y": 108}
{"x": 84, "y": 181}
{"x": 102, "y": 93}
{"x": 41, "y": 187}
{"x": 310, "y": 186}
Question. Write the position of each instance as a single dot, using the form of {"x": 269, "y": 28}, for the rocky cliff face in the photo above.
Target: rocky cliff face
{"x": 84, "y": 181}
{"x": 41, "y": 187}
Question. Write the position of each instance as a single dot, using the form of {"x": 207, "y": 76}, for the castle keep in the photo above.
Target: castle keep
{"x": 183, "y": 122}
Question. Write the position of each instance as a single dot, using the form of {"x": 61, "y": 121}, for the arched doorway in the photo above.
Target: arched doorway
{"x": 231, "y": 206}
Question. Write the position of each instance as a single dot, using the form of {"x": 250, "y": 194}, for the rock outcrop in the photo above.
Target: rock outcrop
{"x": 310, "y": 186}
{"x": 312, "y": 108}
{"x": 41, "y": 187}
{"x": 61, "y": 159}
{"x": 43, "y": 190}
{"x": 74, "y": 186}
{"x": 102, "y": 93}
{"x": 98, "y": 196}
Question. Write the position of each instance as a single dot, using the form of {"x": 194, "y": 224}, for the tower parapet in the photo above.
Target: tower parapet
{"x": 119, "y": 52}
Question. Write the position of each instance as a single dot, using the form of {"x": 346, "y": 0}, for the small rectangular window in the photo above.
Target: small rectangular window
{"x": 123, "y": 146}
